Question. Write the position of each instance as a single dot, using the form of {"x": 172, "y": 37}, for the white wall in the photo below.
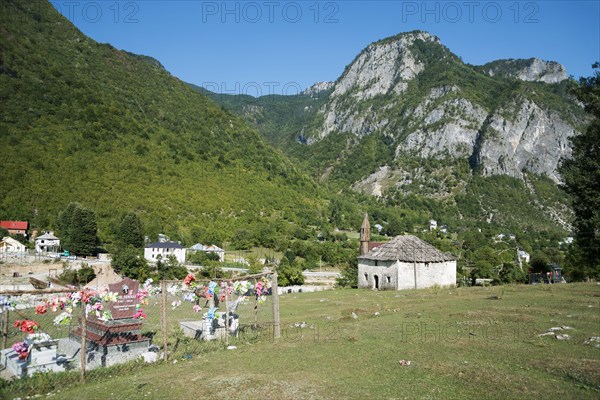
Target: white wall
{"x": 151, "y": 254}
{"x": 400, "y": 275}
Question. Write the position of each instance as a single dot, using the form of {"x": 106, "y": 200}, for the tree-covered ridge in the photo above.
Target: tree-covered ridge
{"x": 83, "y": 121}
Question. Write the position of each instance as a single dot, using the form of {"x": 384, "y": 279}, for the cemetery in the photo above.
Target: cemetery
{"x": 108, "y": 328}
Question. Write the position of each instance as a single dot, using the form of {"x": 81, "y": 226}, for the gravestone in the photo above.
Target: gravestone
{"x": 120, "y": 339}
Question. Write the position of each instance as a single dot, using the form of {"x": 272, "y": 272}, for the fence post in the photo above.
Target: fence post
{"x": 163, "y": 309}
{"x": 83, "y": 341}
{"x": 275, "y": 295}
{"x": 5, "y": 319}
{"x": 227, "y": 314}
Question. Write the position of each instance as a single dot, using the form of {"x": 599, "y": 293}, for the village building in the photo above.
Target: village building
{"x": 10, "y": 245}
{"x": 47, "y": 243}
{"x": 211, "y": 248}
{"x": 405, "y": 262}
{"x": 524, "y": 256}
{"x": 15, "y": 227}
{"x": 432, "y": 224}
{"x": 152, "y": 251}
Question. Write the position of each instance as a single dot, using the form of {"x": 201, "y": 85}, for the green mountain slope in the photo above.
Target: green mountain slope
{"x": 83, "y": 121}
{"x": 410, "y": 123}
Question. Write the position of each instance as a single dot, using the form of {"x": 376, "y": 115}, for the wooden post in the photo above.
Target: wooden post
{"x": 163, "y": 309}
{"x": 255, "y": 309}
{"x": 227, "y": 314}
{"x": 83, "y": 341}
{"x": 5, "y": 319}
{"x": 275, "y": 295}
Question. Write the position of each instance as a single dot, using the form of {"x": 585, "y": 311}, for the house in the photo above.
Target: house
{"x": 152, "y": 251}
{"x": 10, "y": 245}
{"x": 406, "y": 262}
{"x": 15, "y": 227}
{"x": 47, "y": 242}
{"x": 432, "y": 224}
{"x": 211, "y": 248}
{"x": 523, "y": 255}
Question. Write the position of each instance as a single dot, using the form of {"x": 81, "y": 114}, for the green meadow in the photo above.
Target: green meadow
{"x": 462, "y": 343}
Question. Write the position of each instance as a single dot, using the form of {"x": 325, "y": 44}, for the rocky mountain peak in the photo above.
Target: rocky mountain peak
{"x": 531, "y": 70}
{"x": 317, "y": 88}
{"x": 383, "y": 66}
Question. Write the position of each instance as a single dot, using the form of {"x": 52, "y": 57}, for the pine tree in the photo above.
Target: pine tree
{"x": 78, "y": 230}
{"x": 131, "y": 232}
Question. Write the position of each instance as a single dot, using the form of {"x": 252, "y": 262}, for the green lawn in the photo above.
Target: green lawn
{"x": 463, "y": 343}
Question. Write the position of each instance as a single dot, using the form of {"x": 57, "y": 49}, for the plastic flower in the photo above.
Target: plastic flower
{"x": 41, "y": 309}
{"x": 22, "y": 349}
{"x": 110, "y": 296}
{"x": 211, "y": 288}
{"x": 189, "y": 279}
{"x": 191, "y": 297}
{"x": 211, "y": 313}
{"x": 105, "y": 316}
{"x": 196, "y": 308}
{"x": 139, "y": 314}
{"x": 63, "y": 319}
{"x": 258, "y": 288}
{"x": 27, "y": 325}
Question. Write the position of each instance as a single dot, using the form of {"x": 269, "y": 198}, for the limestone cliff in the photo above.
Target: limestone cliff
{"x": 426, "y": 102}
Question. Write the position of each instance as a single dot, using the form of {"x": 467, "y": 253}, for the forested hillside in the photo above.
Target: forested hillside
{"x": 82, "y": 121}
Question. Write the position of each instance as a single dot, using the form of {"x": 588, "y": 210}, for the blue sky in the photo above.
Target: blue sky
{"x": 264, "y": 47}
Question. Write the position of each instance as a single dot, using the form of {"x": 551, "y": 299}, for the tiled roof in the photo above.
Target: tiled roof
{"x": 407, "y": 248}
{"x": 14, "y": 225}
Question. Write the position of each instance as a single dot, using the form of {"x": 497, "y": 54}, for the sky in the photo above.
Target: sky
{"x": 281, "y": 47}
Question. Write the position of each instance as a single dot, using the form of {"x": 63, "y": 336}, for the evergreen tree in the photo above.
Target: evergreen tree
{"x": 83, "y": 232}
{"x": 63, "y": 225}
{"x": 131, "y": 232}
{"x": 130, "y": 262}
{"x": 581, "y": 175}
{"x": 78, "y": 230}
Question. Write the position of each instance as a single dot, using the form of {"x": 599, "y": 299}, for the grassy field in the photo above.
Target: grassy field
{"x": 462, "y": 343}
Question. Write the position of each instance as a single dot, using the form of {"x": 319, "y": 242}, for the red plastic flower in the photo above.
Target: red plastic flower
{"x": 189, "y": 279}
{"x": 26, "y": 325}
{"x": 41, "y": 309}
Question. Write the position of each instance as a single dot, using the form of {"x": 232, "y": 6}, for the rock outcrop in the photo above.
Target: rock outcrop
{"x": 380, "y": 93}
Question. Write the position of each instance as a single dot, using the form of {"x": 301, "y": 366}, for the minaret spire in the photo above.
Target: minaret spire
{"x": 365, "y": 235}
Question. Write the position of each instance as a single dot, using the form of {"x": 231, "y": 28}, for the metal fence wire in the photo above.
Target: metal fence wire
{"x": 173, "y": 325}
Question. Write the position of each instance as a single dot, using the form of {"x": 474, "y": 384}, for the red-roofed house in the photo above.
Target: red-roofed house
{"x": 15, "y": 227}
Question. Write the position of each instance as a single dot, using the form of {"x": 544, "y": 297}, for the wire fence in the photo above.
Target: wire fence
{"x": 174, "y": 320}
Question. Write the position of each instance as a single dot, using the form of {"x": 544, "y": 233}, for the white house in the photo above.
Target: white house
{"x": 10, "y": 245}
{"x": 47, "y": 242}
{"x": 432, "y": 224}
{"x": 405, "y": 262}
{"x": 152, "y": 251}
{"x": 211, "y": 248}
{"x": 524, "y": 256}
